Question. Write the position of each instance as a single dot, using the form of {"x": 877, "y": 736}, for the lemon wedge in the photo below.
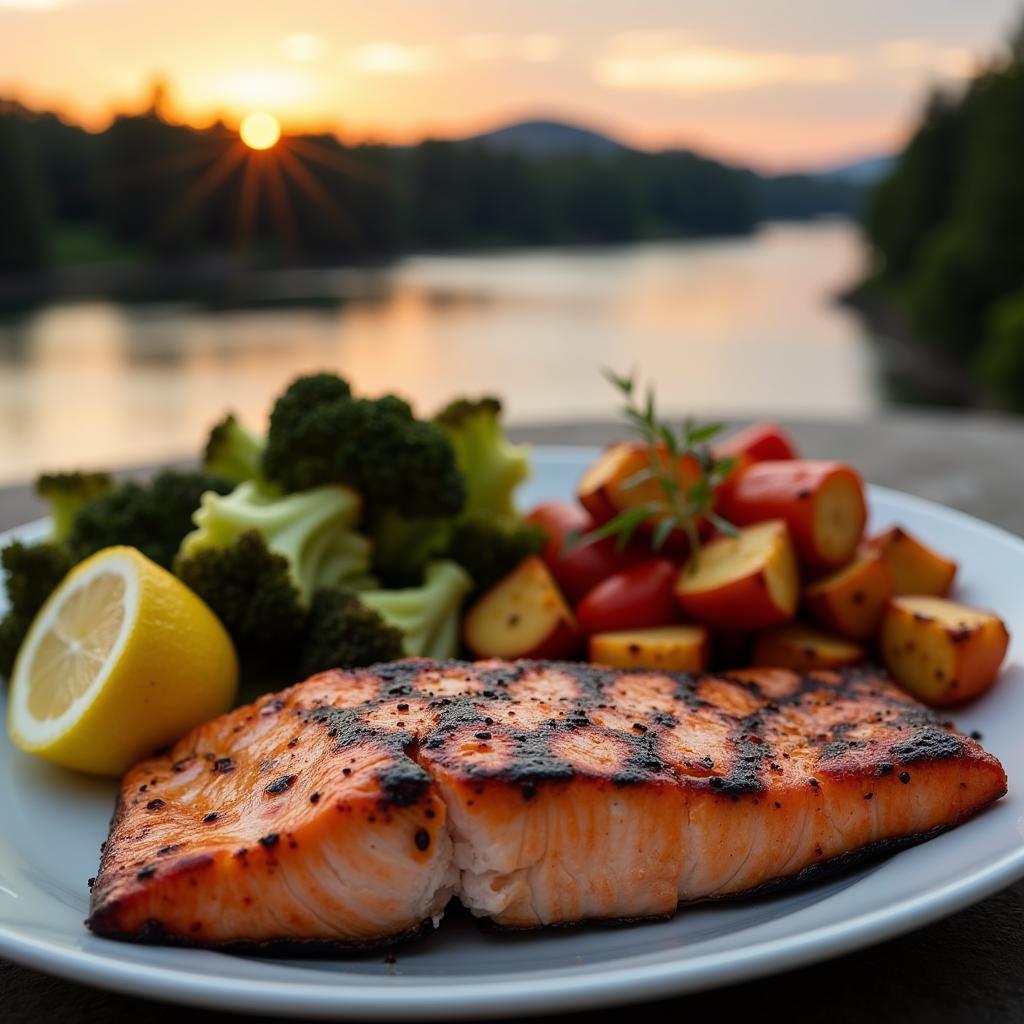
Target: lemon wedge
{"x": 123, "y": 658}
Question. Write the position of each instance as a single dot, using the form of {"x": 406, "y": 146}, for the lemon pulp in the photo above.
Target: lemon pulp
{"x": 123, "y": 658}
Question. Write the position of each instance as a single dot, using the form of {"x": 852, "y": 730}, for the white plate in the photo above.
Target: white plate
{"x": 52, "y": 823}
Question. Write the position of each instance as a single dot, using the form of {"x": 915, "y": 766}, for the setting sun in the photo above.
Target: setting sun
{"x": 260, "y": 130}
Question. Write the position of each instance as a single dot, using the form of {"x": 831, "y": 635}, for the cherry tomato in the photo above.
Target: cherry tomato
{"x": 760, "y": 441}
{"x": 579, "y": 568}
{"x": 636, "y": 597}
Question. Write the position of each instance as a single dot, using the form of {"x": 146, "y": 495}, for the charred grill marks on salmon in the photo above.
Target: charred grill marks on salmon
{"x": 358, "y": 803}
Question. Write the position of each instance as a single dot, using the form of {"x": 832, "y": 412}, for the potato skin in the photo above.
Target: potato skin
{"x": 762, "y": 442}
{"x": 943, "y": 653}
{"x": 915, "y": 567}
{"x": 680, "y": 648}
{"x": 522, "y": 616}
{"x": 803, "y": 648}
{"x": 746, "y": 599}
{"x": 793, "y": 490}
{"x": 851, "y": 602}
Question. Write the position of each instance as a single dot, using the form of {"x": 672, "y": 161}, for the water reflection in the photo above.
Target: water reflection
{"x": 737, "y": 326}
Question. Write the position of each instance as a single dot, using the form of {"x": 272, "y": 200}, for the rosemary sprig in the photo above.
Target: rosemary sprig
{"x": 680, "y": 505}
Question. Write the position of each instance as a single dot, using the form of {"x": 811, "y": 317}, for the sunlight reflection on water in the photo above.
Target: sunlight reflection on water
{"x": 738, "y": 326}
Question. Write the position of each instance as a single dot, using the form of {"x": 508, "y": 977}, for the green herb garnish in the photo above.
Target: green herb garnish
{"x": 680, "y": 505}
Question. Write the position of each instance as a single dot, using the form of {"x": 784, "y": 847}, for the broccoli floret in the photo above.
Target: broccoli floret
{"x": 233, "y": 452}
{"x": 492, "y": 467}
{"x": 402, "y": 547}
{"x": 342, "y": 632}
{"x": 67, "y": 493}
{"x": 152, "y": 517}
{"x": 490, "y": 549}
{"x": 321, "y": 435}
{"x": 427, "y": 615}
{"x": 314, "y": 531}
{"x": 32, "y": 572}
{"x": 250, "y": 588}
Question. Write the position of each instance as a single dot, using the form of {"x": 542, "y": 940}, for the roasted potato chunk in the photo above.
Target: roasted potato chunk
{"x": 745, "y": 582}
{"x": 680, "y": 648}
{"x": 802, "y": 648}
{"x": 942, "y": 652}
{"x": 522, "y": 616}
{"x": 850, "y": 602}
{"x": 915, "y": 567}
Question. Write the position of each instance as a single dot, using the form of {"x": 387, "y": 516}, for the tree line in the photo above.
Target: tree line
{"x": 947, "y": 226}
{"x": 149, "y": 189}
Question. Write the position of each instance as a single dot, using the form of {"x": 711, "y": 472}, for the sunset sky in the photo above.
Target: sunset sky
{"x": 779, "y": 83}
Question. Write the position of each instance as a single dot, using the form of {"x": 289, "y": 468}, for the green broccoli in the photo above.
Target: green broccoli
{"x": 233, "y": 452}
{"x": 320, "y": 434}
{"x": 153, "y": 517}
{"x": 402, "y": 547}
{"x": 67, "y": 493}
{"x": 32, "y": 572}
{"x": 251, "y": 590}
{"x": 342, "y": 632}
{"x": 489, "y": 549}
{"x": 427, "y": 615}
{"x": 313, "y": 530}
{"x": 490, "y": 539}
{"x": 492, "y": 467}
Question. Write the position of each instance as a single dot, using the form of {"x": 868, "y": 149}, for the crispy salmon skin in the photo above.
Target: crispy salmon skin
{"x": 347, "y": 810}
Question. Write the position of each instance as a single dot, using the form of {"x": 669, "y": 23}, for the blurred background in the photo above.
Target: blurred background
{"x": 795, "y": 209}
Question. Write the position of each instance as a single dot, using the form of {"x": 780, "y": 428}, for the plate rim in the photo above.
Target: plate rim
{"x": 613, "y": 985}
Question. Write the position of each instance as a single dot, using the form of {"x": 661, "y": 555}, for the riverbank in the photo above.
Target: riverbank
{"x": 912, "y": 373}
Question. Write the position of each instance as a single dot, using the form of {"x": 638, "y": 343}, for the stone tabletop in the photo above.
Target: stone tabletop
{"x": 968, "y": 967}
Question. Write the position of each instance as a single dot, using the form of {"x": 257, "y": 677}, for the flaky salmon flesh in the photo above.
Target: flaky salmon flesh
{"x": 348, "y": 810}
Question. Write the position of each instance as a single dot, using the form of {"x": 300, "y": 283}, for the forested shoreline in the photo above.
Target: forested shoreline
{"x": 147, "y": 191}
{"x": 947, "y": 229}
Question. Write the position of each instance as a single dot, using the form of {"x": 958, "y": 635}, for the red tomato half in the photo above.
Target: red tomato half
{"x": 579, "y": 568}
{"x": 636, "y": 597}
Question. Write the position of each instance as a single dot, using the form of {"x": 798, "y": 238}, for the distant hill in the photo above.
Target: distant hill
{"x": 547, "y": 138}
{"x": 865, "y": 172}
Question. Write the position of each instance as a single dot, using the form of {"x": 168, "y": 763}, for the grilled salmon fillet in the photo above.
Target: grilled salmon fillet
{"x": 349, "y": 809}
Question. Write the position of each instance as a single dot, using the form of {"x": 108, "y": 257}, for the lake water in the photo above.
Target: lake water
{"x": 740, "y": 326}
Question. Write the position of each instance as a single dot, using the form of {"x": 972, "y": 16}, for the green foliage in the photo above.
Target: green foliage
{"x": 147, "y": 187}
{"x": 920, "y": 193}
{"x": 153, "y": 517}
{"x": 1002, "y": 360}
{"x": 31, "y": 573}
{"x": 948, "y": 225}
{"x": 23, "y": 215}
{"x": 944, "y": 297}
{"x": 67, "y": 494}
{"x": 343, "y": 632}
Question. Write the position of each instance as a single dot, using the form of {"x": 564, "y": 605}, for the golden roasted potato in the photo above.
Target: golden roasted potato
{"x": 850, "y": 602}
{"x": 802, "y": 648}
{"x": 942, "y": 652}
{"x": 522, "y": 616}
{"x": 745, "y": 582}
{"x": 679, "y": 648}
{"x": 915, "y": 567}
